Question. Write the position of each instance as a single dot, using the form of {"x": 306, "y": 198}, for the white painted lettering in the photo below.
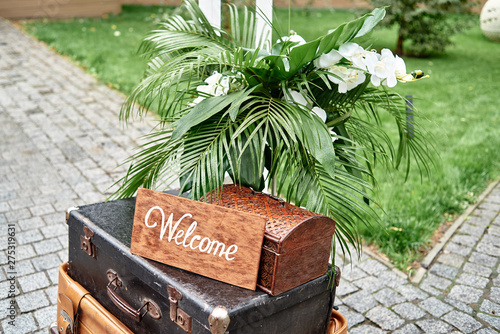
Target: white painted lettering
{"x": 183, "y": 238}
{"x": 230, "y": 251}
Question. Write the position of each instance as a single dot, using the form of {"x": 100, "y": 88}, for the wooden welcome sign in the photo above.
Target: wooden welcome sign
{"x": 213, "y": 241}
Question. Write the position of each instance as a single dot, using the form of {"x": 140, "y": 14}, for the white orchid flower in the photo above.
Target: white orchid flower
{"x": 321, "y": 113}
{"x": 297, "y": 98}
{"x": 400, "y": 69}
{"x": 346, "y": 78}
{"x": 384, "y": 70}
{"x": 328, "y": 59}
{"x": 218, "y": 85}
{"x": 358, "y": 56}
{"x": 294, "y": 38}
{"x": 333, "y": 135}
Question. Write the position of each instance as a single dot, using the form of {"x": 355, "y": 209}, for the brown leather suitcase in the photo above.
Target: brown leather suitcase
{"x": 297, "y": 242}
{"x": 78, "y": 312}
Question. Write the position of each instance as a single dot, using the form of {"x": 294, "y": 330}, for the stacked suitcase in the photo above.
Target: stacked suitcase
{"x": 106, "y": 289}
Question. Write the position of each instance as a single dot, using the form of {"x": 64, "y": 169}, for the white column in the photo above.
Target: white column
{"x": 264, "y": 8}
{"x": 211, "y": 9}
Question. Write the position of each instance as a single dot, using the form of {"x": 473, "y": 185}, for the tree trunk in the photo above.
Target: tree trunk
{"x": 399, "y": 45}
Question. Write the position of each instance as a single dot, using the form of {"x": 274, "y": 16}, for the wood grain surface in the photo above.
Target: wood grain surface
{"x": 213, "y": 241}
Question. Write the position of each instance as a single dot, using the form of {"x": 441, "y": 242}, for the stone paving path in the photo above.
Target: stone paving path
{"x": 60, "y": 141}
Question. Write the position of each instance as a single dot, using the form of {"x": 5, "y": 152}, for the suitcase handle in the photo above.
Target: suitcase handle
{"x": 150, "y": 307}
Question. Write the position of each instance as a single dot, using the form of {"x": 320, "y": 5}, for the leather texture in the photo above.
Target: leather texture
{"x": 93, "y": 318}
{"x": 338, "y": 323}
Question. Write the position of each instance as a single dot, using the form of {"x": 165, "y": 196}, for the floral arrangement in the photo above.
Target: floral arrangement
{"x": 300, "y": 118}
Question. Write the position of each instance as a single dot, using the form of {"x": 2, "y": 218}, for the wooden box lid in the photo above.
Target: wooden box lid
{"x": 288, "y": 226}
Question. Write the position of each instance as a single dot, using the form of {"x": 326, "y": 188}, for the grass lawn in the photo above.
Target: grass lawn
{"x": 460, "y": 101}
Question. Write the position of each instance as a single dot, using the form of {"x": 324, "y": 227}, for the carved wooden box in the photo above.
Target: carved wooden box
{"x": 297, "y": 242}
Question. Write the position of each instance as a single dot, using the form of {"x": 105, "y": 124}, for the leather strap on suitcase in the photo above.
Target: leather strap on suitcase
{"x": 78, "y": 312}
{"x": 338, "y": 323}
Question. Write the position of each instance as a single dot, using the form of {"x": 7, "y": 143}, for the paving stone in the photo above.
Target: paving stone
{"x": 31, "y": 223}
{"x": 24, "y": 252}
{"x": 4, "y": 207}
{"x": 388, "y": 297}
{"x": 29, "y": 236}
{"x": 488, "y": 248}
{"x": 32, "y": 301}
{"x": 488, "y": 205}
{"x": 372, "y": 267}
{"x": 369, "y": 284}
{"x": 409, "y": 311}
{"x": 353, "y": 318}
{"x": 408, "y": 329}
{"x": 459, "y": 305}
{"x": 7, "y": 308}
{"x": 47, "y": 246}
{"x": 486, "y": 331}
{"x": 391, "y": 279}
{"x": 483, "y": 259}
{"x": 52, "y": 294}
{"x": 46, "y": 262}
{"x": 451, "y": 259}
{"x": 472, "y": 230}
{"x": 345, "y": 288}
{"x": 490, "y": 307}
{"x": 491, "y": 239}
{"x": 386, "y": 319}
{"x": 496, "y": 281}
{"x": 458, "y": 249}
{"x": 411, "y": 292}
{"x": 53, "y": 275}
{"x": 477, "y": 269}
{"x": 43, "y": 209}
{"x": 462, "y": 321}
{"x": 465, "y": 294}
{"x": 63, "y": 255}
{"x": 434, "y": 326}
{"x": 493, "y": 321}
{"x": 366, "y": 329}
{"x": 15, "y": 215}
{"x": 439, "y": 284}
{"x": 465, "y": 240}
{"x": 23, "y": 323}
{"x": 435, "y": 307}
{"x": 46, "y": 316}
{"x": 33, "y": 282}
{"x": 479, "y": 221}
{"x": 22, "y": 268}
{"x": 360, "y": 301}
{"x": 485, "y": 213}
{"x": 495, "y": 295}
{"x": 444, "y": 271}
{"x": 494, "y": 230}
{"x": 6, "y": 288}
{"x": 54, "y": 230}
{"x": 20, "y": 203}
{"x": 430, "y": 289}
{"x": 472, "y": 280}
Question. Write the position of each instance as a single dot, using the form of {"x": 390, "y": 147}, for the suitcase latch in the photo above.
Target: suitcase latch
{"x": 177, "y": 315}
{"x": 86, "y": 242}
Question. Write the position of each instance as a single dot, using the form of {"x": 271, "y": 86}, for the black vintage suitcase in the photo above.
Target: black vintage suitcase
{"x": 150, "y": 297}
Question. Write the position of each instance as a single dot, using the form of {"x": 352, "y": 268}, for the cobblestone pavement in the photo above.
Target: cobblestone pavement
{"x": 60, "y": 143}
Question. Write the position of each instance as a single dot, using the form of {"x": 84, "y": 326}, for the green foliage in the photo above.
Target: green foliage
{"x": 228, "y": 107}
{"x": 424, "y": 26}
